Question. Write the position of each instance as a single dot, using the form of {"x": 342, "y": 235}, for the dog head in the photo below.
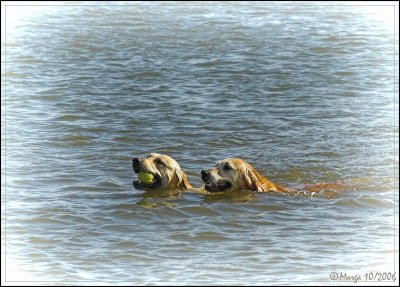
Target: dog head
{"x": 166, "y": 172}
{"x": 235, "y": 174}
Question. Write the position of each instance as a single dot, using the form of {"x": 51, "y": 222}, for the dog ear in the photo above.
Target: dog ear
{"x": 251, "y": 180}
{"x": 256, "y": 182}
{"x": 183, "y": 181}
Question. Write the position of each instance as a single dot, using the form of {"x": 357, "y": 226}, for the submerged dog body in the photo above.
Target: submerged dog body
{"x": 234, "y": 174}
{"x": 167, "y": 174}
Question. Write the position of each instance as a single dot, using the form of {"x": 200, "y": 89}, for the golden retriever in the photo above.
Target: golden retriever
{"x": 234, "y": 174}
{"x": 166, "y": 171}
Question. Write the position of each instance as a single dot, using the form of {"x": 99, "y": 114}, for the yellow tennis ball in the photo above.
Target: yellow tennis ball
{"x": 146, "y": 177}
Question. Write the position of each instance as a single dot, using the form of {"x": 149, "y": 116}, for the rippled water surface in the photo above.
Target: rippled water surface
{"x": 304, "y": 93}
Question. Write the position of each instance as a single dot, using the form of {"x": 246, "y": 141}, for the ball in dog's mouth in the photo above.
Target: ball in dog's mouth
{"x": 146, "y": 177}
{"x": 147, "y": 180}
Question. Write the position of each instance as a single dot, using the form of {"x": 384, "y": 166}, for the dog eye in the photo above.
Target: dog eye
{"x": 159, "y": 161}
{"x": 227, "y": 167}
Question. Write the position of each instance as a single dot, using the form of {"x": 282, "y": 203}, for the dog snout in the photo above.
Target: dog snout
{"x": 205, "y": 175}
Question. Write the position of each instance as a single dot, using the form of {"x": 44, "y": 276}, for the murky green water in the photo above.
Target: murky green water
{"x": 304, "y": 93}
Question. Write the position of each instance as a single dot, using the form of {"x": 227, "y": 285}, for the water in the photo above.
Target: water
{"x": 304, "y": 93}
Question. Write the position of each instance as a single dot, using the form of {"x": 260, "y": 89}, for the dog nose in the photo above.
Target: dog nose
{"x": 205, "y": 175}
{"x": 136, "y": 164}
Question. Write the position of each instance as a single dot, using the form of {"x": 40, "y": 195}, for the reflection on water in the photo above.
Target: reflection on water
{"x": 156, "y": 198}
{"x": 302, "y": 92}
{"x": 231, "y": 197}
